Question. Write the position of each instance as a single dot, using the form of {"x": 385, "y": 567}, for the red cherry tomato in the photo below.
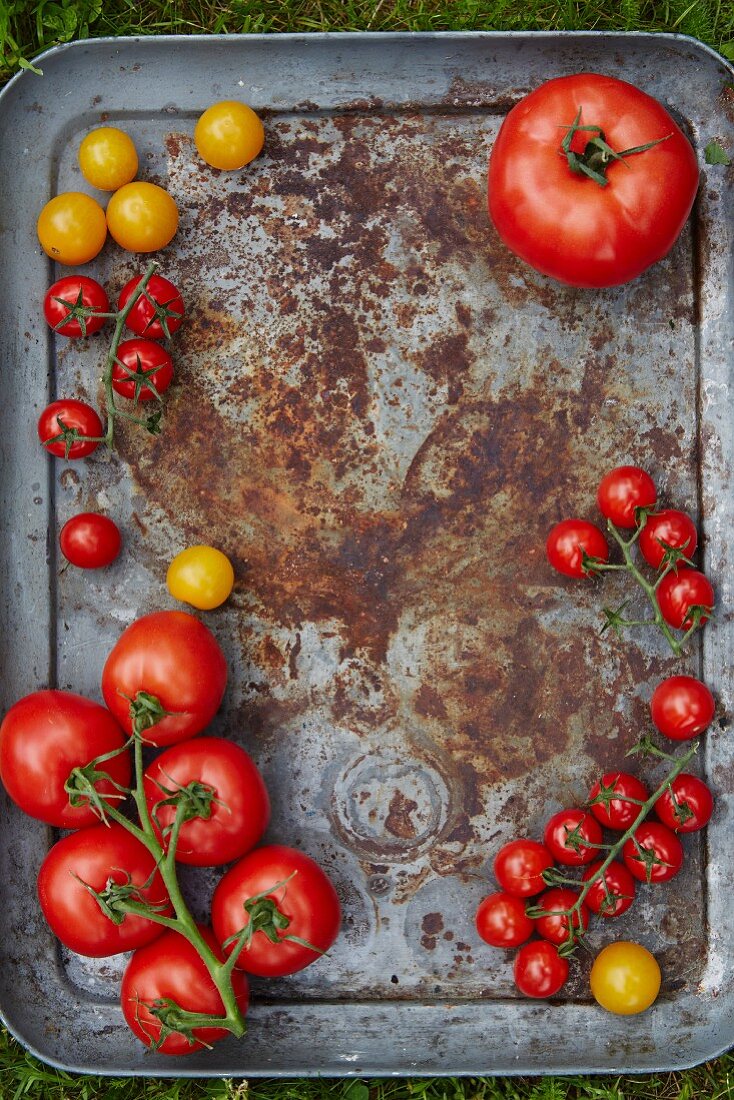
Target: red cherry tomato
{"x": 159, "y": 310}
{"x": 570, "y": 836}
{"x": 682, "y": 707}
{"x": 539, "y": 970}
{"x": 501, "y": 920}
{"x": 686, "y": 805}
{"x": 557, "y": 902}
{"x": 90, "y": 540}
{"x": 664, "y": 857}
{"x": 519, "y": 866}
{"x": 667, "y": 528}
{"x": 622, "y": 491}
{"x": 679, "y": 593}
{"x": 569, "y": 541}
{"x": 141, "y": 370}
{"x": 62, "y": 421}
{"x": 619, "y": 893}
{"x": 617, "y": 812}
{"x": 73, "y": 306}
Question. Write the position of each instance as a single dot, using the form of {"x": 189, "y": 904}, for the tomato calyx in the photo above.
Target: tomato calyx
{"x": 608, "y": 794}
{"x": 69, "y": 436}
{"x": 76, "y": 311}
{"x": 146, "y": 711}
{"x": 598, "y": 154}
{"x": 119, "y": 899}
{"x": 266, "y": 917}
{"x": 175, "y": 1020}
{"x": 195, "y": 800}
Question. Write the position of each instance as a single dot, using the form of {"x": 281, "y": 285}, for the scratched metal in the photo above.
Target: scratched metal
{"x": 379, "y": 413}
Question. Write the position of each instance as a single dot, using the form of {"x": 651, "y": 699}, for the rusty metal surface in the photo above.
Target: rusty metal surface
{"x": 379, "y": 413}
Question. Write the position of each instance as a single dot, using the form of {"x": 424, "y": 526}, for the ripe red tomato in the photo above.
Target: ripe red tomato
{"x": 682, "y": 707}
{"x": 570, "y": 836}
{"x": 90, "y": 540}
{"x": 74, "y": 305}
{"x": 666, "y": 853}
{"x": 171, "y": 969}
{"x": 667, "y": 528}
{"x": 501, "y": 920}
{"x": 577, "y": 229}
{"x": 43, "y": 737}
{"x": 617, "y": 812}
{"x": 159, "y": 310}
{"x": 622, "y": 491}
{"x": 237, "y": 812}
{"x": 519, "y": 866}
{"x": 619, "y": 893}
{"x": 679, "y": 593}
{"x": 569, "y": 541}
{"x": 686, "y": 805}
{"x": 142, "y": 369}
{"x": 294, "y": 886}
{"x": 62, "y": 421}
{"x": 539, "y": 970}
{"x": 96, "y": 857}
{"x": 555, "y": 926}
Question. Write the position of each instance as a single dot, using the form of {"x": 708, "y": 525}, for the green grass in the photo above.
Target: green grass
{"x": 28, "y": 28}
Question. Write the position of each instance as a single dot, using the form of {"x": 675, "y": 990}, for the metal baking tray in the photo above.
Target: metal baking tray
{"x": 380, "y": 412}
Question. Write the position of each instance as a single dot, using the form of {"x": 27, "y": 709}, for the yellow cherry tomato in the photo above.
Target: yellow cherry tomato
{"x": 201, "y": 576}
{"x": 142, "y": 217}
{"x": 107, "y": 158}
{"x": 625, "y": 978}
{"x": 229, "y": 135}
{"x": 72, "y": 228}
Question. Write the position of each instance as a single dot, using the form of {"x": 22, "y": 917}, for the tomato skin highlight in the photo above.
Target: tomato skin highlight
{"x": 539, "y": 970}
{"x": 618, "y": 813}
{"x": 72, "y": 228}
{"x": 682, "y": 707}
{"x": 97, "y": 855}
{"x": 501, "y": 920}
{"x": 174, "y": 657}
{"x": 622, "y": 491}
{"x": 142, "y": 217}
{"x": 90, "y": 540}
{"x": 625, "y": 978}
{"x": 678, "y": 592}
{"x": 566, "y": 225}
{"x": 621, "y": 886}
{"x": 73, "y": 414}
{"x": 142, "y": 319}
{"x": 68, "y": 290}
{"x": 567, "y": 542}
{"x": 519, "y": 865}
{"x": 667, "y": 848}
{"x": 672, "y": 527}
{"x": 43, "y": 737}
{"x": 566, "y": 822}
{"x": 228, "y": 135}
{"x": 686, "y": 805}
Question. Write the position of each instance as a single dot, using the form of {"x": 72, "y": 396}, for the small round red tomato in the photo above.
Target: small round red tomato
{"x": 519, "y": 866}
{"x": 557, "y": 903}
{"x": 157, "y": 312}
{"x": 682, "y": 707}
{"x": 668, "y": 528}
{"x": 686, "y": 805}
{"x": 654, "y": 853}
{"x": 75, "y": 306}
{"x": 625, "y": 978}
{"x": 621, "y": 796}
{"x": 142, "y": 217}
{"x": 171, "y": 970}
{"x": 72, "y": 228}
{"x": 501, "y": 920}
{"x": 573, "y": 837}
{"x": 613, "y": 892}
{"x": 142, "y": 370}
{"x": 90, "y": 540}
{"x": 290, "y": 901}
{"x": 539, "y": 970}
{"x": 100, "y": 857}
{"x": 43, "y": 737}
{"x": 622, "y": 491}
{"x": 680, "y": 594}
{"x": 173, "y": 659}
{"x": 70, "y": 428}
{"x": 571, "y": 542}
{"x": 223, "y": 784}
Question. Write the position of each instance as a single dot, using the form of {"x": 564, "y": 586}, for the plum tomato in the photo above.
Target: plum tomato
{"x": 555, "y": 925}
{"x": 75, "y": 306}
{"x": 501, "y": 920}
{"x": 90, "y": 540}
{"x": 571, "y": 542}
{"x": 72, "y": 228}
{"x": 201, "y": 576}
{"x": 43, "y": 737}
{"x": 682, "y": 707}
{"x": 680, "y": 593}
{"x": 613, "y": 892}
{"x": 519, "y": 865}
{"x": 62, "y": 422}
{"x": 142, "y": 370}
{"x": 142, "y": 217}
{"x": 622, "y": 491}
{"x": 159, "y": 310}
{"x": 228, "y": 135}
{"x": 107, "y": 158}
{"x": 573, "y": 837}
{"x": 539, "y": 970}
{"x": 620, "y": 797}
{"x": 686, "y": 805}
{"x": 654, "y": 853}
{"x": 668, "y": 528}
{"x": 625, "y": 978}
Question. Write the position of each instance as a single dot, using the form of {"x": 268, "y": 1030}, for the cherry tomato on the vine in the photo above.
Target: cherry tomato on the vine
{"x": 573, "y": 837}
{"x": 519, "y": 866}
{"x": 142, "y": 217}
{"x": 159, "y": 310}
{"x": 62, "y": 420}
{"x": 539, "y": 970}
{"x": 229, "y": 135}
{"x": 686, "y": 805}
{"x": 141, "y": 370}
{"x": 613, "y": 892}
{"x": 654, "y": 853}
{"x": 668, "y": 528}
{"x": 90, "y": 540}
{"x": 108, "y": 158}
{"x": 625, "y": 978}
{"x": 615, "y": 810}
{"x": 569, "y": 541}
{"x": 72, "y": 228}
{"x": 622, "y": 491}
{"x": 682, "y": 707}
{"x": 501, "y": 920}
{"x": 679, "y": 593}
{"x": 73, "y": 306}
{"x": 555, "y": 925}
{"x": 201, "y": 576}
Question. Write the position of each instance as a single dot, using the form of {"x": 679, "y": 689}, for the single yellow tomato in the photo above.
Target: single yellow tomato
{"x": 72, "y": 228}
{"x": 201, "y": 576}
{"x": 107, "y": 158}
{"x": 229, "y": 135}
{"x": 625, "y": 978}
{"x": 142, "y": 217}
